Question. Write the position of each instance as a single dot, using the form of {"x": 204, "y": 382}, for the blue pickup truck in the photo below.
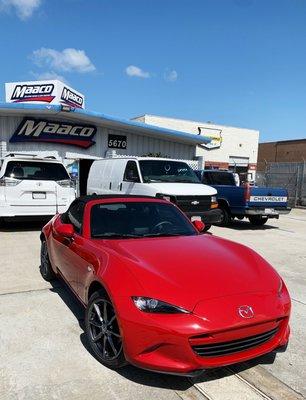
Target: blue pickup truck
{"x": 258, "y": 204}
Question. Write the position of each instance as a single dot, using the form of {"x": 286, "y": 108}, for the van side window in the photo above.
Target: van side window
{"x": 131, "y": 172}
{"x": 75, "y": 215}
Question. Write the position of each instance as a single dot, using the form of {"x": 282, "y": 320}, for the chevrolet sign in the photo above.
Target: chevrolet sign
{"x": 34, "y": 130}
{"x": 268, "y": 199}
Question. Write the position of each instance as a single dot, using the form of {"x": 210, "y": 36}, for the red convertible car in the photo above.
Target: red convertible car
{"x": 158, "y": 293}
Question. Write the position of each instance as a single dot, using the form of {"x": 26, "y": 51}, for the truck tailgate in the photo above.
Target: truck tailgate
{"x": 268, "y": 197}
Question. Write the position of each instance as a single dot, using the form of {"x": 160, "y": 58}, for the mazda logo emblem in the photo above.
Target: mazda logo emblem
{"x": 246, "y": 312}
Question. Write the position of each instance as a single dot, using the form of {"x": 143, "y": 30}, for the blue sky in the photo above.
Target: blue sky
{"x": 232, "y": 62}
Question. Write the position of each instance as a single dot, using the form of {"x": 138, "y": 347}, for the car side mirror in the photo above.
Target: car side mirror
{"x": 66, "y": 230}
{"x": 199, "y": 225}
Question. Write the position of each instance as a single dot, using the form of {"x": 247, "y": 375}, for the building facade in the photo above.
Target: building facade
{"x": 230, "y": 147}
{"x": 282, "y": 151}
{"x": 77, "y": 137}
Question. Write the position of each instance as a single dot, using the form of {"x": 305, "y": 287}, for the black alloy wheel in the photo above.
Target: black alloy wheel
{"x": 45, "y": 266}
{"x": 103, "y": 331}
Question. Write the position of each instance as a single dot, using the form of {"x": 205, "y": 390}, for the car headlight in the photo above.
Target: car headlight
{"x": 213, "y": 202}
{"x": 149, "y": 305}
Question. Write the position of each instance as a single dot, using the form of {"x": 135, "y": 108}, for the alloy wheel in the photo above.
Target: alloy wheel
{"x": 44, "y": 259}
{"x": 104, "y": 329}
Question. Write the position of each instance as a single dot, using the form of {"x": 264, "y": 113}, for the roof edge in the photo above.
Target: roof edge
{"x": 57, "y": 109}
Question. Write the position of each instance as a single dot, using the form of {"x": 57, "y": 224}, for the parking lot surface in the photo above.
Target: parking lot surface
{"x": 43, "y": 351}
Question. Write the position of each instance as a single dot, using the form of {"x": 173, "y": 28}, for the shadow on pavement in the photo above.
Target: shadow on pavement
{"x": 144, "y": 377}
{"x": 246, "y": 226}
{"x": 22, "y": 226}
{"x": 218, "y": 373}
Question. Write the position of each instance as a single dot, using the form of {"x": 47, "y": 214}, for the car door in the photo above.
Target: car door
{"x": 68, "y": 252}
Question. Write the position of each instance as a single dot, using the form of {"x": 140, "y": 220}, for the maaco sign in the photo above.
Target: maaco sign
{"x": 37, "y": 130}
{"x": 42, "y": 92}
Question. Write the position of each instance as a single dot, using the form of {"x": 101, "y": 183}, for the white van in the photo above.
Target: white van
{"x": 169, "y": 179}
{"x": 33, "y": 186}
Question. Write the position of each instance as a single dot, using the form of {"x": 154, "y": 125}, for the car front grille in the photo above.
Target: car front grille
{"x": 202, "y": 203}
{"x": 225, "y": 348}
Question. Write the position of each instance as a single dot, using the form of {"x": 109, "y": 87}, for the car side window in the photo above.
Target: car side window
{"x": 205, "y": 178}
{"x": 75, "y": 215}
{"x": 131, "y": 172}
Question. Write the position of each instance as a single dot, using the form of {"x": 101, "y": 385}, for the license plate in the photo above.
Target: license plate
{"x": 38, "y": 195}
{"x": 270, "y": 211}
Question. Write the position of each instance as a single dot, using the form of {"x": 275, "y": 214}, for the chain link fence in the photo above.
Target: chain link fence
{"x": 291, "y": 176}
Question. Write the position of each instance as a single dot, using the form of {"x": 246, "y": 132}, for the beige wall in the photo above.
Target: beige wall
{"x": 236, "y": 142}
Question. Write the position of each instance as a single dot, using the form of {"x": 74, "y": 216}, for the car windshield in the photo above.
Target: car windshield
{"x": 167, "y": 171}
{"x": 138, "y": 220}
{"x": 35, "y": 170}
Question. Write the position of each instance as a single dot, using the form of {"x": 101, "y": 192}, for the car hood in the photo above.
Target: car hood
{"x": 183, "y": 189}
{"x": 187, "y": 269}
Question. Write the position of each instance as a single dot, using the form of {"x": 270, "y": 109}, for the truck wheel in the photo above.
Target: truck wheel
{"x": 257, "y": 220}
{"x": 226, "y": 216}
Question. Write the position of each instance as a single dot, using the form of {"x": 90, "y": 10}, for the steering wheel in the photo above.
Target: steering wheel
{"x": 158, "y": 226}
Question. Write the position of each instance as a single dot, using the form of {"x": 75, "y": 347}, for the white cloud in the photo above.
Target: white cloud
{"x": 23, "y": 8}
{"x": 70, "y": 60}
{"x": 132, "y": 70}
{"x": 49, "y": 75}
{"x": 170, "y": 75}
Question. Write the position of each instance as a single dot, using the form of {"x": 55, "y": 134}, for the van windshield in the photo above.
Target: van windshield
{"x": 167, "y": 171}
{"x": 35, "y": 170}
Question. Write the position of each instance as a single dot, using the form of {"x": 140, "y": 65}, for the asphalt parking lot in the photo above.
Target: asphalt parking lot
{"x": 43, "y": 351}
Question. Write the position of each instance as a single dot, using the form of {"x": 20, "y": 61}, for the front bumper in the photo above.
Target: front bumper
{"x": 212, "y": 216}
{"x": 272, "y": 212}
{"x": 165, "y": 343}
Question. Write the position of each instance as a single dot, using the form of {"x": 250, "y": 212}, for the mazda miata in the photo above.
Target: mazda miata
{"x": 159, "y": 293}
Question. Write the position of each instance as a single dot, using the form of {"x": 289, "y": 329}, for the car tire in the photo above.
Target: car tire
{"x": 103, "y": 332}
{"x": 45, "y": 266}
{"x": 226, "y": 216}
{"x": 257, "y": 220}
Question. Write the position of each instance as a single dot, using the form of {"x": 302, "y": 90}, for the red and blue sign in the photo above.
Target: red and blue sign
{"x": 37, "y": 130}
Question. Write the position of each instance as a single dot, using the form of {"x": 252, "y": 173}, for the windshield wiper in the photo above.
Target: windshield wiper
{"x": 166, "y": 234}
{"x": 115, "y": 235}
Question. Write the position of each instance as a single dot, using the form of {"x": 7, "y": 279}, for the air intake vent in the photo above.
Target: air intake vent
{"x": 224, "y": 348}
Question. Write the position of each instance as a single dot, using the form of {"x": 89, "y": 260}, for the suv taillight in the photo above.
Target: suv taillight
{"x": 66, "y": 183}
{"x": 247, "y": 192}
{"x": 4, "y": 181}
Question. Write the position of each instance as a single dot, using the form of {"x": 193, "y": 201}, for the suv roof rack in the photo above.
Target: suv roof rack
{"x": 30, "y": 155}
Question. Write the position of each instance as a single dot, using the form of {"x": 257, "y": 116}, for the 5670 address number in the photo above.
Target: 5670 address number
{"x": 117, "y": 142}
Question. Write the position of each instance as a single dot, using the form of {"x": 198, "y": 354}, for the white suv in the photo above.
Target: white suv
{"x": 33, "y": 186}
